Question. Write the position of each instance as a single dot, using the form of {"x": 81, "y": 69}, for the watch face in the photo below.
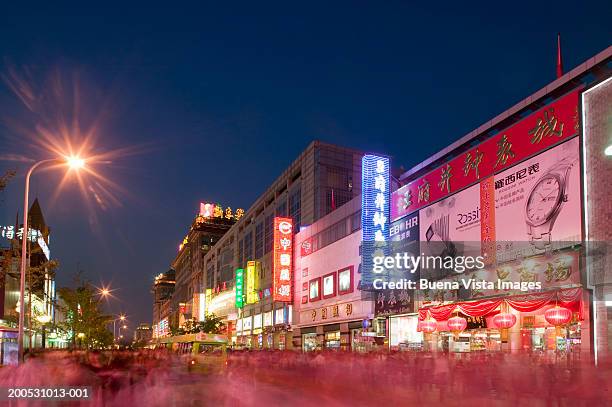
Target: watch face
{"x": 543, "y": 200}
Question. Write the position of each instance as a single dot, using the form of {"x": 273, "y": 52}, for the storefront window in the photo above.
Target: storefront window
{"x": 332, "y": 340}
{"x": 282, "y": 338}
{"x": 403, "y": 333}
{"x": 359, "y": 342}
{"x": 309, "y": 342}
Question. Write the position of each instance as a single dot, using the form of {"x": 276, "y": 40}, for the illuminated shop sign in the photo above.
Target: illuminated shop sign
{"x": 222, "y": 303}
{"x": 10, "y": 233}
{"x": 375, "y": 198}
{"x": 252, "y": 283}
{"x": 257, "y": 320}
{"x": 163, "y": 327}
{"x": 283, "y": 315}
{"x": 537, "y": 132}
{"x": 199, "y": 306}
{"x": 267, "y": 318}
{"x": 283, "y": 259}
{"x": 247, "y": 323}
{"x": 239, "y": 288}
{"x": 214, "y": 210}
{"x": 375, "y": 209}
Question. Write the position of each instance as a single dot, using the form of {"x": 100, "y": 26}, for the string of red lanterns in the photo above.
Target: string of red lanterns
{"x": 556, "y": 316}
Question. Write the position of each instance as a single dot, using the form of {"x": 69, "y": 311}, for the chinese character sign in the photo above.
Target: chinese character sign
{"x": 283, "y": 259}
{"x": 9, "y": 232}
{"x": 530, "y": 136}
{"x": 375, "y": 198}
{"x": 239, "y": 288}
{"x": 211, "y": 210}
{"x": 251, "y": 283}
{"x": 375, "y": 222}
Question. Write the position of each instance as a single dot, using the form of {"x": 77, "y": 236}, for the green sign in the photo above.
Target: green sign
{"x": 239, "y": 288}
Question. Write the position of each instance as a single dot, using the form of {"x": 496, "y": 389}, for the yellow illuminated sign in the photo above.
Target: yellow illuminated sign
{"x": 252, "y": 283}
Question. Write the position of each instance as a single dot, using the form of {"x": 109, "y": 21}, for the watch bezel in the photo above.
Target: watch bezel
{"x": 558, "y": 202}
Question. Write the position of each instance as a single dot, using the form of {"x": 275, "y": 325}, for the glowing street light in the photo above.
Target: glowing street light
{"x": 73, "y": 162}
{"x": 121, "y": 318}
{"x": 44, "y": 320}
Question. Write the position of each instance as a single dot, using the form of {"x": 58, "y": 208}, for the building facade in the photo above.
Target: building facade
{"x": 162, "y": 290}
{"x": 208, "y": 227}
{"x": 324, "y": 177}
{"x": 330, "y": 310}
{"x": 527, "y": 192}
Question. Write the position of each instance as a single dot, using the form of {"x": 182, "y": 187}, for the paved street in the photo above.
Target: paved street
{"x": 324, "y": 379}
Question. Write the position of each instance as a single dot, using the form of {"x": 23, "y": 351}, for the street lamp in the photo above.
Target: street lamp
{"x": 44, "y": 320}
{"x": 121, "y": 318}
{"x": 73, "y": 163}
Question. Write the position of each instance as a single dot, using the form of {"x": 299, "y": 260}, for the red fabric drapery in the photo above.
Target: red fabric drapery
{"x": 570, "y": 298}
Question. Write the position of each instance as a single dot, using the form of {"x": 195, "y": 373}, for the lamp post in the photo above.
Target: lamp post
{"x": 44, "y": 320}
{"x": 73, "y": 162}
{"x": 121, "y": 318}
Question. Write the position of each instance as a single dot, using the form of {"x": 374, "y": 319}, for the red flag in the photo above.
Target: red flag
{"x": 559, "y": 58}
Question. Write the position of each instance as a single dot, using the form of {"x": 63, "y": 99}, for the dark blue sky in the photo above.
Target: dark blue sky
{"x": 217, "y": 101}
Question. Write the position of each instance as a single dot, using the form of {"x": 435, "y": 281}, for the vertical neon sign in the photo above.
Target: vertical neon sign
{"x": 239, "y": 288}
{"x": 375, "y": 209}
{"x": 251, "y": 283}
{"x": 283, "y": 259}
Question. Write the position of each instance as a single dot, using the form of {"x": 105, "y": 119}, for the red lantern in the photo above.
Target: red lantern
{"x": 558, "y": 316}
{"x": 504, "y": 320}
{"x": 427, "y": 326}
{"x": 457, "y": 324}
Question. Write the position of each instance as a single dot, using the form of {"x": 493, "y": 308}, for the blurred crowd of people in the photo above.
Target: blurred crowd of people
{"x": 161, "y": 378}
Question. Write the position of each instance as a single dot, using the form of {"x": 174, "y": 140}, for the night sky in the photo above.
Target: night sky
{"x": 212, "y": 103}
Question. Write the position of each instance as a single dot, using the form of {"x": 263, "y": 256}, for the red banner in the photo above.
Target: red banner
{"x": 283, "y": 259}
{"x": 539, "y": 131}
{"x": 570, "y": 298}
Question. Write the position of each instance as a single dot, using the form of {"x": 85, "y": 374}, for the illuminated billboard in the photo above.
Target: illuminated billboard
{"x": 239, "y": 288}
{"x": 515, "y": 199}
{"x": 536, "y": 133}
{"x": 539, "y": 200}
{"x": 199, "y": 306}
{"x": 252, "y": 283}
{"x": 375, "y": 219}
{"x": 214, "y": 210}
{"x": 283, "y": 259}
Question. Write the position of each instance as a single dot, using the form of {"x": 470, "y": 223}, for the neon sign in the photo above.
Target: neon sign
{"x": 283, "y": 259}
{"x": 251, "y": 283}
{"x": 375, "y": 220}
{"x": 212, "y": 210}
{"x": 375, "y": 198}
{"x": 239, "y": 288}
